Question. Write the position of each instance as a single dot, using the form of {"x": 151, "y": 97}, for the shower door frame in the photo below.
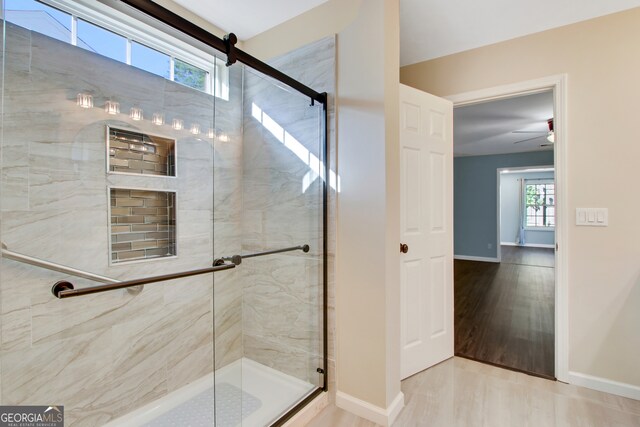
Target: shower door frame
{"x": 226, "y": 46}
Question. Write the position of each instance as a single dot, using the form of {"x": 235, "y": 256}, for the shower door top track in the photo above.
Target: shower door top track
{"x": 226, "y": 45}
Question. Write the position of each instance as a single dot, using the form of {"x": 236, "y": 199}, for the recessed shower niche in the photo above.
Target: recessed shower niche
{"x": 139, "y": 153}
{"x": 142, "y": 224}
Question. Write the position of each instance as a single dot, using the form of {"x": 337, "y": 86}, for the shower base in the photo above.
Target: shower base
{"x": 249, "y": 395}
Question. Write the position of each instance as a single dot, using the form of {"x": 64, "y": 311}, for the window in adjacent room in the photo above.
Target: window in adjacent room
{"x": 540, "y": 209}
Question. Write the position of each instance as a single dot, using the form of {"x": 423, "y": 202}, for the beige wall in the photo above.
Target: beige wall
{"x": 327, "y": 19}
{"x": 391, "y": 43}
{"x": 367, "y": 294}
{"x": 602, "y": 60}
{"x": 367, "y": 272}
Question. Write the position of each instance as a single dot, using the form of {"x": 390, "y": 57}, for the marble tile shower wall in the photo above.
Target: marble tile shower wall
{"x": 282, "y": 299}
{"x": 107, "y": 354}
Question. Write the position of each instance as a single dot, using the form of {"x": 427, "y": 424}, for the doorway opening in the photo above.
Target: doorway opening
{"x": 504, "y": 232}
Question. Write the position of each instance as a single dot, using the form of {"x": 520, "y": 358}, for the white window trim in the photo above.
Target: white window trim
{"x": 132, "y": 29}
{"x": 531, "y": 228}
{"x": 128, "y": 54}
{"x": 533, "y": 182}
{"x": 74, "y": 30}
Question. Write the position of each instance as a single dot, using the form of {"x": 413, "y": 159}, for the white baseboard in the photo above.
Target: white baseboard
{"x": 475, "y": 258}
{"x": 378, "y": 415}
{"x": 528, "y": 245}
{"x": 605, "y": 385}
{"x": 539, "y": 245}
{"x": 395, "y": 407}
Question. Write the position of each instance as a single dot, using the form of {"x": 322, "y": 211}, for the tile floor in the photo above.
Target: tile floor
{"x": 460, "y": 392}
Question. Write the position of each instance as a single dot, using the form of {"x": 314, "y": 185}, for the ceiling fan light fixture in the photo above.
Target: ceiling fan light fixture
{"x": 551, "y": 137}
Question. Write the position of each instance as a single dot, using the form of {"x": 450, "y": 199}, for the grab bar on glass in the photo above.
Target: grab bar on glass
{"x": 26, "y": 259}
{"x": 64, "y": 289}
{"x": 237, "y": 259}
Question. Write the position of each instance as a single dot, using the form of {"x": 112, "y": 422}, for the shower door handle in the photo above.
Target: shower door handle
{"x": 404, "y": 248}
{"x": 237, "y": 259}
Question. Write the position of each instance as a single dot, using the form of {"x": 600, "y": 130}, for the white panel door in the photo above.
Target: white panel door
{"x": 426, "y": 197}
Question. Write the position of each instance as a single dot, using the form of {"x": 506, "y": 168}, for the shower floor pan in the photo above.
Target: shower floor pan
{"x": 248, "y": 393}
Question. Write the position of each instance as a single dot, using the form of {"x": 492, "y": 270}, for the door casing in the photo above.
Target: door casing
{"x": 558, "y": 84}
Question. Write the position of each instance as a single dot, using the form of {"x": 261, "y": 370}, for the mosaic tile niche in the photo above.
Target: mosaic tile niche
{"x": 142, "y": 224}
{"x": 139, "y": 153}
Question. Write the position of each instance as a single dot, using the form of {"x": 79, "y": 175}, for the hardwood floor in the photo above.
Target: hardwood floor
{"x": 462, "y": 393}
{"x": 542, "y": 257}
{"x": 504, "y": 313}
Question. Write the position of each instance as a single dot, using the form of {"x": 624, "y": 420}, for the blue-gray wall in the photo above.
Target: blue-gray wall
{"x": 475, "y": 199}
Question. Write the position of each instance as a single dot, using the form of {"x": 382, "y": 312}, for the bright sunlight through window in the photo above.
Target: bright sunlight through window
{"x": 316, "y": 167}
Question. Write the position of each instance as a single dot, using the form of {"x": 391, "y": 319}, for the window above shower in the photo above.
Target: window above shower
{"x": 84, "y": 23}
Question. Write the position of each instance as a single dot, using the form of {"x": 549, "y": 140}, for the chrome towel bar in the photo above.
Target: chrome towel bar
{"x": 66, "y": 289}
{"x": 26, "y": 259}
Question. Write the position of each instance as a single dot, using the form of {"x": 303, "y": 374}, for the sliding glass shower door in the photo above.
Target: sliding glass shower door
{"x": 107, "y": 175}
{"x": 275, "y": 296}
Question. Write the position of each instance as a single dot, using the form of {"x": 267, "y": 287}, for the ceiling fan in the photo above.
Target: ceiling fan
{"x": 550, "y": 135}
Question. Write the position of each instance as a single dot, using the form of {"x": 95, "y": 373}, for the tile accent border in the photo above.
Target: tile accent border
{"x": 140, "y": 153}
{"x": 142, "y": 224}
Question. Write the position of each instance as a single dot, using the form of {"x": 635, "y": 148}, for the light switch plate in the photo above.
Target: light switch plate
{"x": 592, "y": 217}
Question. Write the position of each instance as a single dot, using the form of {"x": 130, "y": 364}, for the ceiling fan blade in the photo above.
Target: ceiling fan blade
{"x": 529, "y": 139}
{"x": 546, "y": 145}
{"x": 529, "y": 131}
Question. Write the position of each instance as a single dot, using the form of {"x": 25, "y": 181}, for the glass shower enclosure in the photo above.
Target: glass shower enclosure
{"x": 162, "y": 218}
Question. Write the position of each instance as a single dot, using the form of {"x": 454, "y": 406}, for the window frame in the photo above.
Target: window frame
{"x": 133, "y": 30}
{"x": 539, "y": 182}
{"x": 76, "y": 30}
{"x": 169, "y": 63}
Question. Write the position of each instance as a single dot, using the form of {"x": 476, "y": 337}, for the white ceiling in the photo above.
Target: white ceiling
{"x": 247, "y": 18}
{"x": 488, "y": 128}
{"x": 428, "y": 28}
{"x": 433, "y": 28}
